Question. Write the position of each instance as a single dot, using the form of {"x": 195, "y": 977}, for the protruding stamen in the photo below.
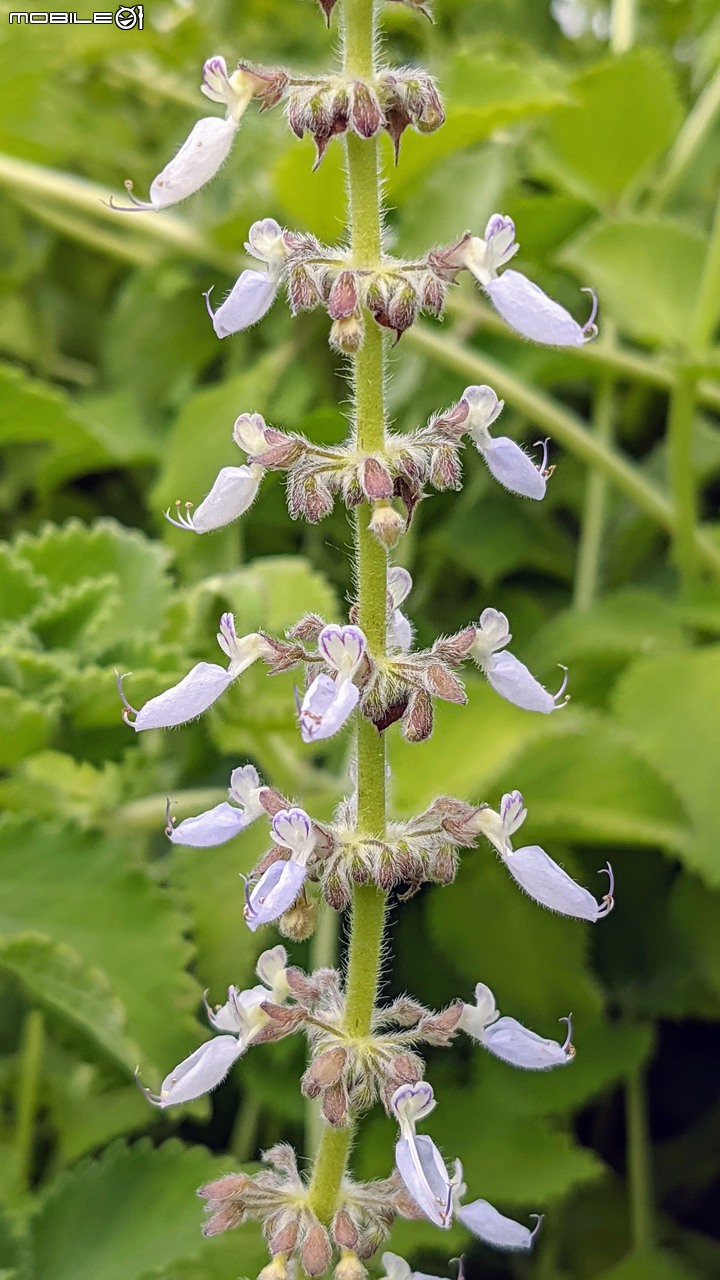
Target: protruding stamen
{"x": 127, "y": 709}
{"x": 182, "y": 522}
{"x": 248, "y": 909}
{"x": 563, "y": 686}
{"x": 590, "y": 329}
{"x": 539, "y": 1219}
{"x": 169, "y": 820}
{"x": 568, "y": 1046}
{"x": 543, "y": 468}
{"x": 206, "y": 296}
{"x": 609, "y": 897}
{"x": 155, "y": 1098}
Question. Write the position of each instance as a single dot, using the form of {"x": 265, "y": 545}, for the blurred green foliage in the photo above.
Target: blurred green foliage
{"x": 116, "y": 399}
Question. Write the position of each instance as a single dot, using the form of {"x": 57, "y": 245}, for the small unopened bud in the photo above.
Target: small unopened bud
{"x": 316, "y": 1251}
{"x": 349, "y": 1267}
{"x": 343, "y": 300}
{"x": 230, "y": 1186}
{"x": 365, "y": 115}
{"x": 445, "y": 468}
{"x": 282, "y": 1232}
{"x": 336, "y": 891}
{"x": 433, "y": 296}
{"x": 275, "y": 1270}
{"x": 417, "y": 722}
{"x": 301, "y": 292}
{"x": 386, "y": 524}
{"x": 308, "y": 496}
{"x": 402, "y": 308}
{"x": 443, "y": 684}
{"x": 344, "y": 1230}
{"x": 307, "y": 629}
{"x": 376, "y": 295}
{"x": 226, "y": 1218}
{"x": 300, "y": 922}
{"x": 432, "y": 112}
{"x": 406, "y": 1068}
{"x": 443, "y": 868}
{"x": 375, "y": 479}
{"x": 335, "y": 1105}
{"x": 346, "y": 336}
{"x": 328, "y": 1068}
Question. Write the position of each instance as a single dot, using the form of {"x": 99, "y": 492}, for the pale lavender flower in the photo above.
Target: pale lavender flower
{"x": 254, "y": 292}
{"x": 399, "y": 585}
{"x": 279, "y": 886}
{"x": 232, "y": 494}
{"x": 224, "y": 821}
{"x": 487, "y": 1223}
{"x": 396, "y": 1268}
{"x": 520, "y": 302}
{"x": 208, "y": 144}
{"x": 505, "y": 460}
{"x": 329, "y": 701}
{"x": 509, "y": 1040}
{"x": 535, "y": 871}
{"x": 202, "y": 686}
{"x": 508, "y": 676}
{"x": 418, "y": 1160}
{"x": 242, "y": 1016}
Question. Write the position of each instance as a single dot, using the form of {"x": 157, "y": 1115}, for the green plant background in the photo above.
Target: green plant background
{"x": 117, "y": 399}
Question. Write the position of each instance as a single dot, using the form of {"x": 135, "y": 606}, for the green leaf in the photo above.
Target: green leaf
{"x": 512, "y": 537}
{"x": 482, "y": 93}
{"x": 670, "y": 707}
{"x": 582, "y": 779}
{"x": 117, "y": 922}
{"x": 26, "y": 726}
{"x": 33, "y": 413}
{"x": 619, "y": 259}
{"x": 627, "y": 113}
{"x": 133, "y": 1211}
{"x": 70, "y": 554}
{"x": 57, "y": 978}
{"x": 55, "y": 785}
{"x": 20, "y": 590}
{"x": 655, "y": 1265}
{"x": 312, "y": 202}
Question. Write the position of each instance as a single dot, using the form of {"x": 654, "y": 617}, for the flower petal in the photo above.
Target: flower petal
{"x": 250, "y": 297}
{"x": 509, "y": 1040}
{"x": 202, "y": 1071}
{"x": 274, "y": 893}
{"x": 185, "y": 701}
{"x": 270, "y": 969}
{"x": 552, "y": 887}
{"x": 395, "y": 1267}
{"x": 232, "y": 1016}
{"x": 512, "y": 467}
{"x": 524, "y": 306}
{"x": 201, "y": 155}
{"x": 494, "y": 1228}
{"x": 475, "y": 1019}
{"x": 423, "y": 1171}
{"x": 342, "y": 647}
{"x": 326, "y": 706}
{"x": 511, "y": 679}
{"x": 213, "y": 827}
{"x": 232, "y": 494}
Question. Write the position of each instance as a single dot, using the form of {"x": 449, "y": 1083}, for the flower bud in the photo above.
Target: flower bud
{"x": 336, "y": 890}
{"x": 344, "y": 1230}
{"x": 346, "y": 336}
{"x": 308, "y": 496}
{"x": 335, "y": 1105}
{"x": 386, "y": 524}
{"x": 417, "y": 723}
{"x": 343, "y": 300}
{"x": 432, "y": 295}
{"x": 444, "y": 865}
{"x": 307, "y": 630}
{"x": 327, "y": 1069}
{"x": 299, "y": 923}
{"x": 316, "y": 1251}
{"x": 445, "y": 468}
{"x": 431, "y": 114}
{"x": 226, "y": 1218}
{"x": 365, "y": 115}
{"x": 441, "y": 683}
{"x": 301, "y": 292}
{"x": 349, "y": 1267}
{"x": 375, "y": 479}
{"x": 402, "y": 308}
{"x": 282, "y": 1232}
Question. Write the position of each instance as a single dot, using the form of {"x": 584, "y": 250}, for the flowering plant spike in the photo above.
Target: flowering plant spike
{"x": 358, "y": 675}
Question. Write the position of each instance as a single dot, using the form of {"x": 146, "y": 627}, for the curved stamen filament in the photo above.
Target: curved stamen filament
{"x": 609, "y": 897}
{"x": 128, "y": 710}
{"x": 568, "y": 1046}
{"x": 563, "y": 686}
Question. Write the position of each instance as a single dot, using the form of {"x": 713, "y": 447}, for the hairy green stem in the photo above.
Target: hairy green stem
{"x": 30, "y": 1061}
{"x": 368, "y": 908}
{"x": 681, "y": 414}
{"x": 622, "y": 25}
{"x": 566, "y": 427}
{"x": 592, "y": 532}
{"x": 639, "y": 1171}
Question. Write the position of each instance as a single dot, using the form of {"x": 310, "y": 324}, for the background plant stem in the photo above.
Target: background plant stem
{"x": 31, "y": 1054}
{"x": 639, "y": 1173}
{"x": 368, "y": 909}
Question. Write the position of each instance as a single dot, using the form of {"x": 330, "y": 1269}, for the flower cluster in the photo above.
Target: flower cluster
{"x": 347, "y": 676}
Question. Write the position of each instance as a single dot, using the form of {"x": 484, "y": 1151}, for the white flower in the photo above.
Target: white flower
{"x": 510, "y": 1040}
{"x": 418, "y": 1160}
{"x": 328, "y": 702}
{"x": 507, "y": 674}
{"x": 224, "y": 821}
{"x": 505, "y": 460}
{"x": 254, "y": 292}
